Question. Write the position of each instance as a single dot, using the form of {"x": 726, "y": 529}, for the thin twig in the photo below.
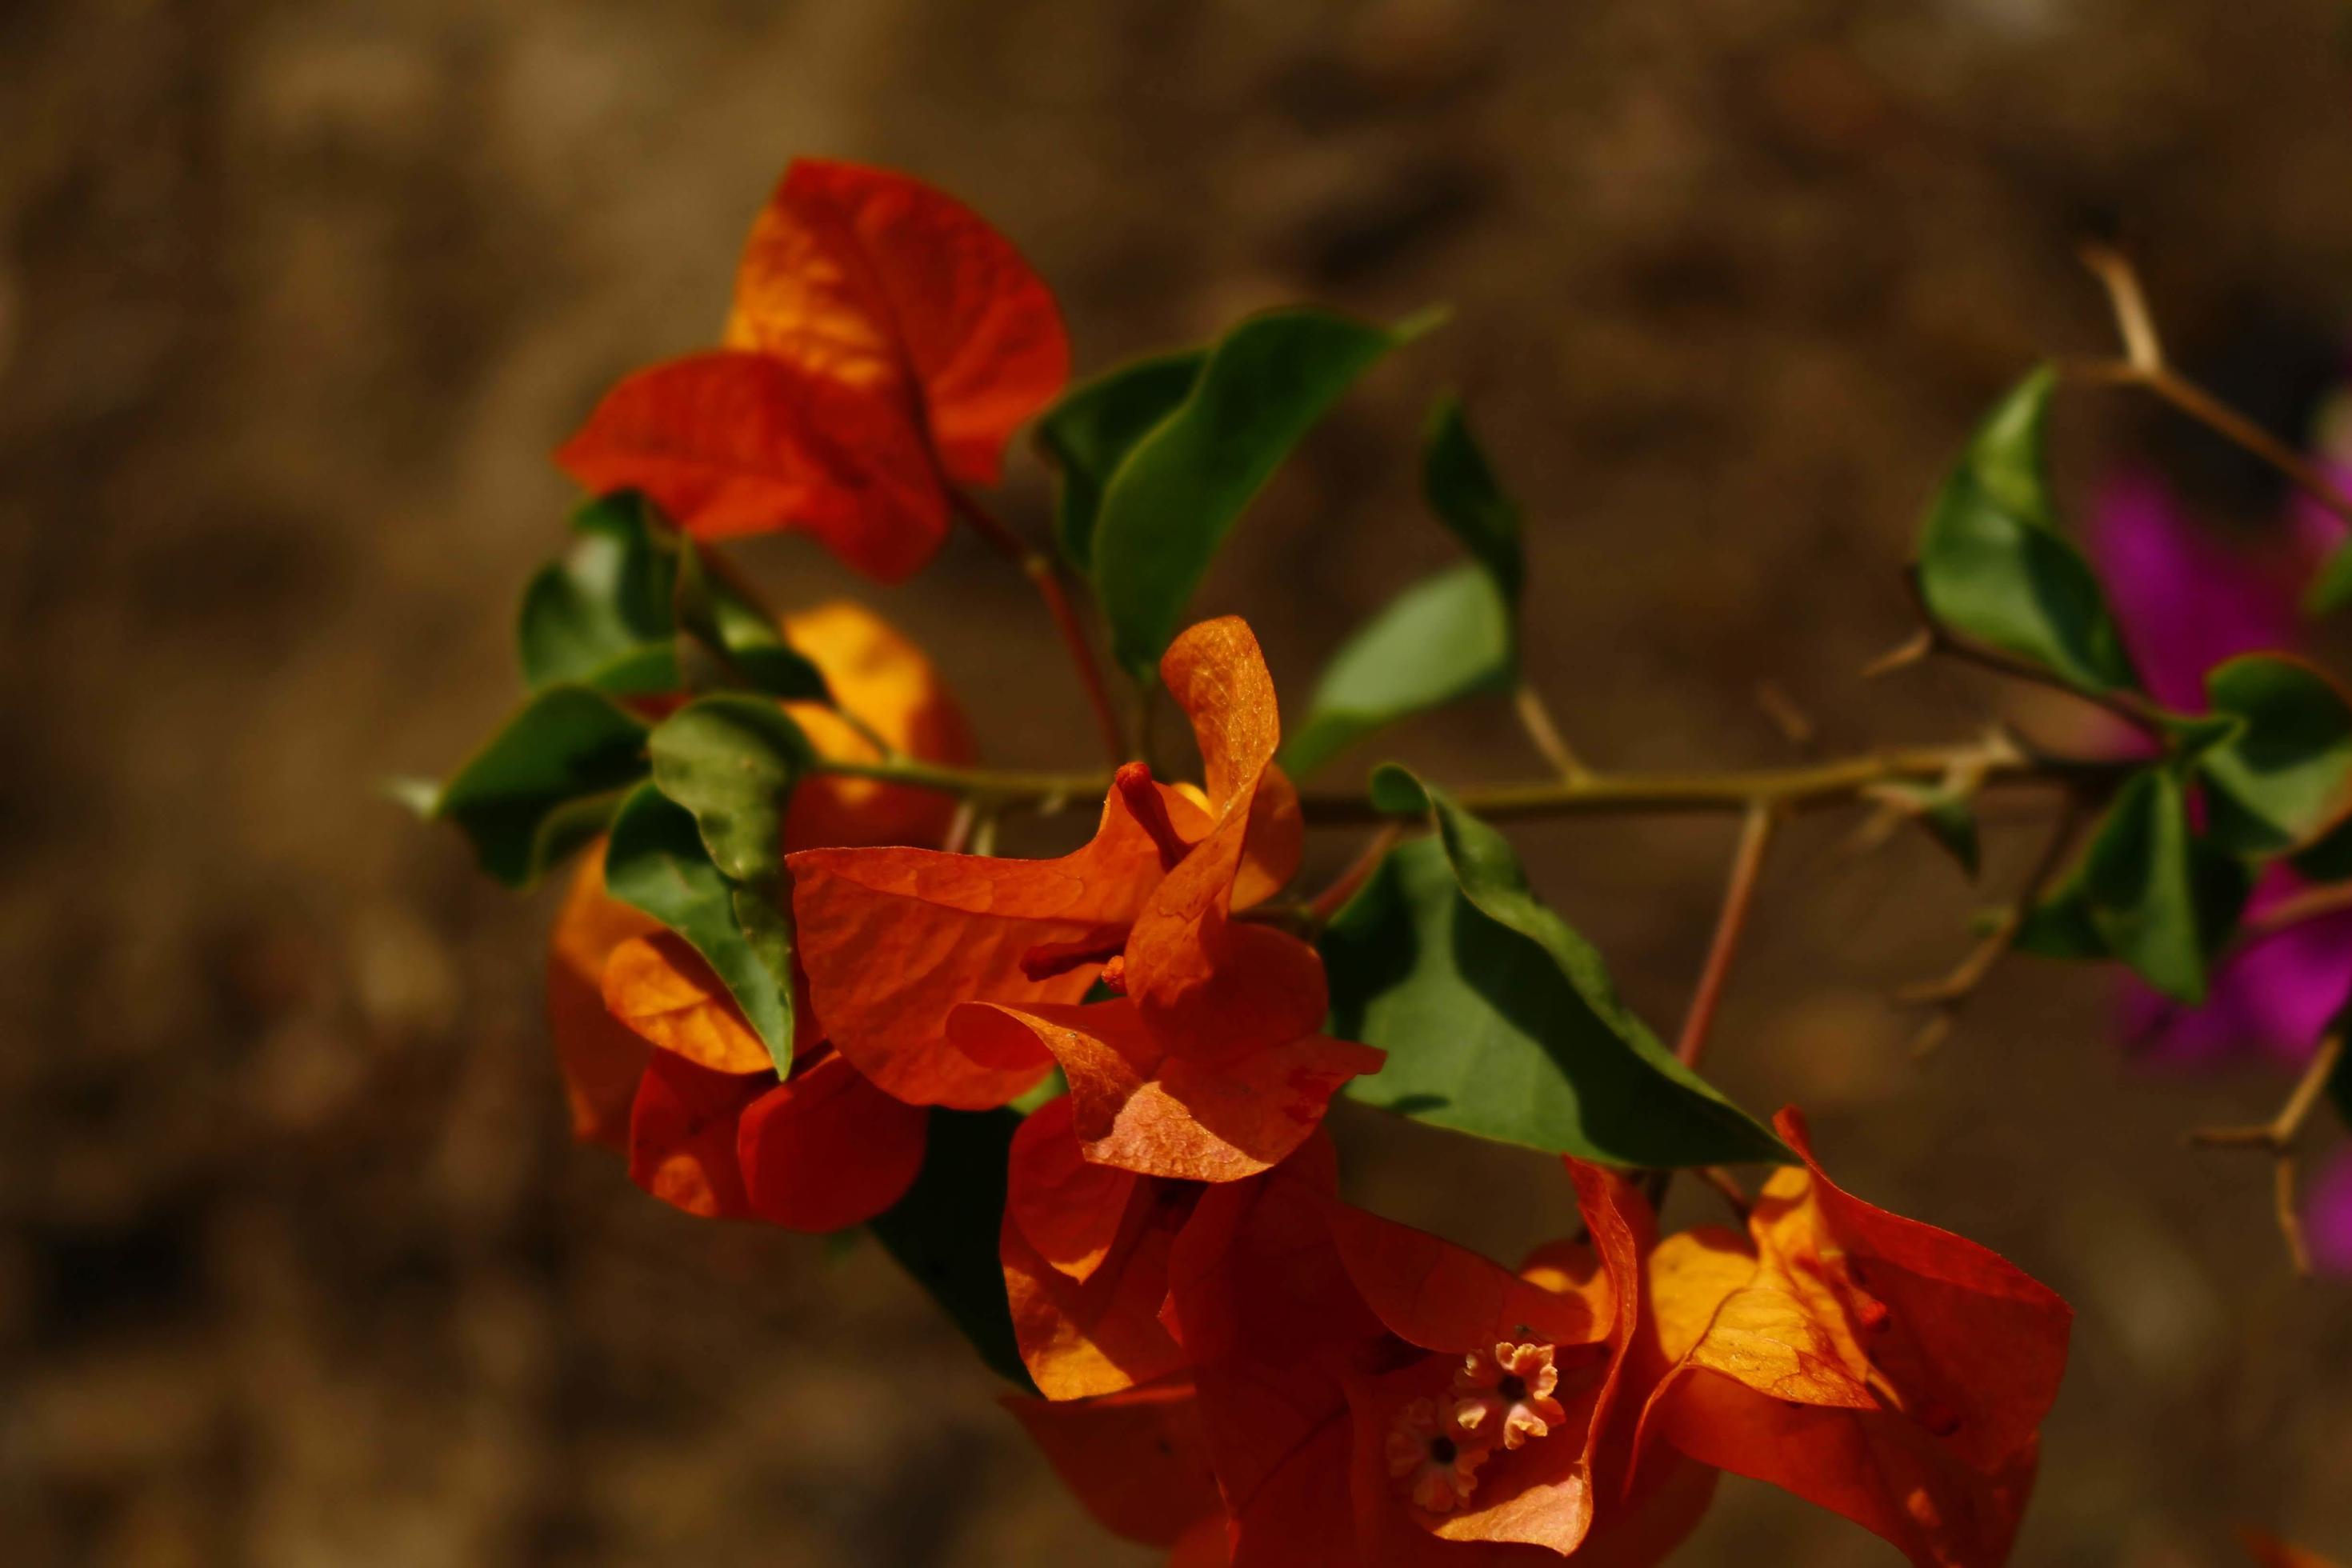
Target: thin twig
{"x": 1536, "y": 719}
{"x": 1731, "y": 925}
{"x": 2311, "y": 904}
{"x": 2278, "y": 1138}
{"x": 1727, "y": 1184}
{"x": 2143, "y": 366}
{"x": 1333, "y": 898}
{"x": 1832, "y": 782}
{"x": 1950, "y": 995}
{"x": 2123, "y": 702}
{"x": 1040, "y": 569}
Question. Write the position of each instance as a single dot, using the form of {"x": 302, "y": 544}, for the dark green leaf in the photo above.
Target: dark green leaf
{"x": 740, "y": 635}
{"x": 1445, "y": 638}
{"x": 2279, "y": 781}
{"x": 732, "y": 761}
{"x": 944, "y": 1231}
{"x": 1948, "y": 815}
{"x": 1171, "y": 503}
{"x": 546, "y": 783}
{"x": 1993, "y": 565}
{"x": 657, "y": 862}
{"x": 600, "y": 617}
{"x": 1499, "y": 1020}
{"x": 1090, "y": 431}
{"x": 2138, "y": 883}
{"x": 2330, "y": 860}
{"x": 2060, "y": 927}
{"x": 1461, "y": 488}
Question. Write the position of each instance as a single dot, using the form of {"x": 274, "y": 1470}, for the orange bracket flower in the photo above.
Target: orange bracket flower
{"x": 883, "y": 344}
{"x": 894, "y": 939}
{"x": 1348, "y": 1370}
{"x": 822, "y": 1151}
{"x": 1882, "y": 1368}
{"x": 1138, "y": 1460}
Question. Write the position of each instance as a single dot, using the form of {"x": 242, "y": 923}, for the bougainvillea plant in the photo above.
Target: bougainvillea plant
{"x": 1083, "y": 1099}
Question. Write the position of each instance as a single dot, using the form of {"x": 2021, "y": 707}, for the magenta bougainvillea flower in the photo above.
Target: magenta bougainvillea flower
{"x": 2187, "y": 598}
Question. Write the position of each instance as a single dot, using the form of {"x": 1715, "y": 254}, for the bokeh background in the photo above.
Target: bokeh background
{"x": 297, "y": 1266}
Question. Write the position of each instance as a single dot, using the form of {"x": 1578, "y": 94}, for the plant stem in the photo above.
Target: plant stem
{"x": 1535, "y": 718}
{"x": 1333, "y": 898}
{"x": 1731, "y": 926}
{"x": 2143, "y": 366}
{"x": 1040, "y": 569}
{"x": 2277, "y": 1138}
{"x": 1836, "y": 782}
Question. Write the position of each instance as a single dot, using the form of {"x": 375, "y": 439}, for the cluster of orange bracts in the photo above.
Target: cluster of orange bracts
{"x": 1234, "y": 1361}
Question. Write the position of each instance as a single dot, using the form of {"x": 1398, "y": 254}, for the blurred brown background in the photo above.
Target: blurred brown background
{"x": 297, "y": 1266}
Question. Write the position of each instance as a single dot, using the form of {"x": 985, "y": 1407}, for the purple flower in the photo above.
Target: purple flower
{"x": 2327, "y": 1216}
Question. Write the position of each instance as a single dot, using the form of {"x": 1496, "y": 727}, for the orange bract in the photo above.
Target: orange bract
{"x": 731, "y": 444}
{"x": 601, "y": 1057}
{"x": 1142, "y": 1109}
{"x": 1892, "y": 1371}
{"x": 660, "y": 987}
{"x": 894, "y": 939}
{"x": 883, "y": 342}
{"x": 895, "y": 692}
{"x": 1136, "y": 1459}
{"x": 1086, "y": 1265}
{"x": 826, "y": 1149}
{"x": 882, "y": 282}
{"x": 1326, "y": 1345}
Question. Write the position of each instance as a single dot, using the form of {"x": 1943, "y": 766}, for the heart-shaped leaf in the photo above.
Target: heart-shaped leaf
{"x": 545, "y": 784}
{"x": 1091, "y": 430}
{"x": 1178, "y": 493}
{"x": 2147, "y": 892}
{"x": 1445, "y": 638}
{"x": 1499, "y": 1020}
{"x": 657, "y": 862}
{"x": 732, "y": 761}
{"x": 600, "y": 617}
{"x": 2279, "y": 781}
{"x": 740, "y": 635}
{"x": 1993, "y": 566}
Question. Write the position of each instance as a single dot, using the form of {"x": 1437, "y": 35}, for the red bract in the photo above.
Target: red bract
{"x": 894, "y": 939}
{"x": 820, "y": 1152}
{"x": 1136, "y": 1459}
{"x": 1889, "y": 1371}
{"x": 1374, "y": 1395}
{"x": 884, "y": 343}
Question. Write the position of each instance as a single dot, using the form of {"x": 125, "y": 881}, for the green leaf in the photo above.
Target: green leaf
{"x": 2140, "y": 881}
{"x": 732, "y": 761}
{"x": 1462, "y": 489}
{"x": 1443, "y": 639}
{"x": 2279, "y": 783}
{"x": 1172, "y": 501}
{"x": 1993, "y": 566}
{"x": 545, "y": 784}
{"x": 657, "y": 863}
{"x": 1090, "y": 431}
{"x": 944, "y": 1231}
{"x": 1947, "y": 812}
{"x": 740, "y": 635}
{"x": 1499, "y": 1020}
{"x": 600, "y": 617}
